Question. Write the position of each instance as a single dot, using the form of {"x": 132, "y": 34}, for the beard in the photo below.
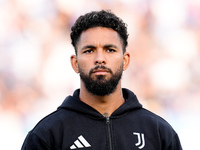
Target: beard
{"x": 101, "y": 86}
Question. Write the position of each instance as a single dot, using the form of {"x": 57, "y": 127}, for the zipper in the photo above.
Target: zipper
{"x": 109, "y": 132}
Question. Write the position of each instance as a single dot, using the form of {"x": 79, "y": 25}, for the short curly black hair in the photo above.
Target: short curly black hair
{"x": 103, "y": 18}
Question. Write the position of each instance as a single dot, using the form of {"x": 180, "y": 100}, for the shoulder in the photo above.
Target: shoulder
{"x": 52, "y": 121}
{"x": 151, "y": 121}
{"x": 154, "y": 127}
{"x": 44, "y": 131}
{"x": 163, "y": 129}
{"x": 154, "y": 118}
{"x": 157, "y": 125}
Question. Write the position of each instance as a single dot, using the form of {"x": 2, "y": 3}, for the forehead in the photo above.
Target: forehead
{"x": 99, "y": 36}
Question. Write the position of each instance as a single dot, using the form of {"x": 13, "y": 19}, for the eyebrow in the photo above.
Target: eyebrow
{"x": 87, "y": 46}
{"x": 92, "y": 46}
{"x": 110, "y": 45}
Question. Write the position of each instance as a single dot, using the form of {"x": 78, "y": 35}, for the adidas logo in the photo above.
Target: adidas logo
{"x": 80, "y": 143}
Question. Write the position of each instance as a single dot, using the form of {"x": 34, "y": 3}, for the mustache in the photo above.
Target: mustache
{"x": 100, "y": 67}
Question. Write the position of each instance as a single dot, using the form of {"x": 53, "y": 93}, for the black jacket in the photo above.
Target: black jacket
{"x": 75, "y": 125}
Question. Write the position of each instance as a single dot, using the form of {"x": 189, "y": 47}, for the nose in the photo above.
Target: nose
{"x": 100, "y": 58}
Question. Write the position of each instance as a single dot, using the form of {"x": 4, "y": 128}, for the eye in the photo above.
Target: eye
{"x": 110, "y": 50}
{"x": 88, "y": 51}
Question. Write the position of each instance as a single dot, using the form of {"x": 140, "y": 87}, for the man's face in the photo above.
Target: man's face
{"x": 100, "y": 60}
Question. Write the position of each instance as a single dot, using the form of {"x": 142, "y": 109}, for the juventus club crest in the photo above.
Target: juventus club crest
{"x": 141, "y": 141}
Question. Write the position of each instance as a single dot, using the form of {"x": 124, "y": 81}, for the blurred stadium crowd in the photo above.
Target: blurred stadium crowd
{"x": 36, "y": 74}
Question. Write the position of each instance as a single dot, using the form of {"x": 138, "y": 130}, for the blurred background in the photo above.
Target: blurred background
{"x": 36, "y": 74}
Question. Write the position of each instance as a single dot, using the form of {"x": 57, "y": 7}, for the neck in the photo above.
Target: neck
{"x": 103, "y": 104}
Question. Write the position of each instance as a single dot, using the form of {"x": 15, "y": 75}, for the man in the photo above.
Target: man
{"x": 101, "y": 115}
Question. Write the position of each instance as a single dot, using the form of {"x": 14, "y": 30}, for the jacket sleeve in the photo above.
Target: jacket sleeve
{"x": 174, "y": 144}
{"x": 33, "y": 142}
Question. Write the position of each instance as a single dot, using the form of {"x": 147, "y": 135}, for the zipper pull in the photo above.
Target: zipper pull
{"x": 107, "y": 120}
{"x": 106, "y": 115}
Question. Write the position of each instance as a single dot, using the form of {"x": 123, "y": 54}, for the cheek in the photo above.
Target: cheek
{"x": 117, "y": 62}
{"x": 84, "y": 66}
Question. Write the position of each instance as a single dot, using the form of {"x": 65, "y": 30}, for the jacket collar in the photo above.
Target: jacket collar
{"x": 73, "y": 103}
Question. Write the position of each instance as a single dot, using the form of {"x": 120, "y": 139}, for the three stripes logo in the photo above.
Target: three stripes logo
{"x": 141, "y": 142}
{"x": 80, "y": 143}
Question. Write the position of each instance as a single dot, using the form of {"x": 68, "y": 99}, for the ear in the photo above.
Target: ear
{"x": 126, "y": 60}
{"x": 74, "y": 63}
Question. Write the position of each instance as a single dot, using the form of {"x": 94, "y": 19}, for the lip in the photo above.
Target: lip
{"x": 100, "y": 72}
